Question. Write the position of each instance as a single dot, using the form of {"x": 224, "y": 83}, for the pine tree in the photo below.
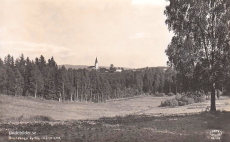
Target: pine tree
{"x": 27, "y": 76}
{"x": 36, "y": 83}
{"x": 19, "y": 82}
{"x": 3, "y": 77}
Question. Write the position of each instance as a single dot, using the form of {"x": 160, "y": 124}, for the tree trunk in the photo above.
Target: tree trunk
{"x": 75, "y": 94}
{"x": 63, "y": 88}
{"x": 71, "y": 96}
{"x": 169, "y": 88}
{"x": 91, "y": 97}
{"x": 176, "y": 88}
{"x": 15, "y": 91}
{"x": 116, "y": 94}
{"x": 222, "y": 89}
{"x": 101, "y": 97}
{"x": 81, "y": 91}
{"x": 36, "y": 90}
{"x": 60, "y": 97}
{"x": 86, "y": 96}
{"x": 35, "y": 95}
{"x": 213, "y": 99}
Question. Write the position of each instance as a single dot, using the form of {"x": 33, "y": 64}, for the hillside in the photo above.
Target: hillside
{"x": 74, "y": 66}
{"x": 107, "y": 67}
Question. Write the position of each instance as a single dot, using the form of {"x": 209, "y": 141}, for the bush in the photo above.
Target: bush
{"x": 178, "y": 97}
{"x": 174, "y": 103}
{"x": 180, "y": 103}
{"x": 190, "y": 101}
{"x": 189, "y": 94}
{"x": 159, "y": 94}
{"x": 187, "y": 100}
{"x": 200, "y": 99}
{"x": 184, "y": 99}
{"x": 171, "y": 103}
{"x": 170, "y": 94}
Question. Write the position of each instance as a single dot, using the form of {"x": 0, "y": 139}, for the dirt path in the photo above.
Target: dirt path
{"x": 15, "y": 107}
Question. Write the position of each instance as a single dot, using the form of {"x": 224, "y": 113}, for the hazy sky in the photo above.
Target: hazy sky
{"x": 126, "y": 33}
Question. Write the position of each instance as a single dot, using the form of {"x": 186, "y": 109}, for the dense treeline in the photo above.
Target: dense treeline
{"x": 44, "y": 79}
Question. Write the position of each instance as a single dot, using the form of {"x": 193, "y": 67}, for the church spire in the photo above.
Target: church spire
{"x": 96, "y": 60}
{"x": 96, "y": 64}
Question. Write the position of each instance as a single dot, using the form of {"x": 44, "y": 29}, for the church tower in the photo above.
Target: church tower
{"x": 96, "y": 64}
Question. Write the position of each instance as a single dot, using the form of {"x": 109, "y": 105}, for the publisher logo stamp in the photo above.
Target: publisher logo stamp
{"x": 215, "y": 134}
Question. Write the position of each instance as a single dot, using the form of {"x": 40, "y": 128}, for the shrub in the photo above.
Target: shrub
{"x": 170, "y": 94}
{"x": 180, "y": 103}
{"x": 190, "y": 101}
{"x": 200, "y": 99}
{"x": 159, "y": 94}
{"x": 187, "y": 100}
{"x": 166, "y": 103}
{"x": 178, "y": 97}
{"x": 171, "y": 103}
{"x": 189, "y": 94}
{"x": 184, "y": 99}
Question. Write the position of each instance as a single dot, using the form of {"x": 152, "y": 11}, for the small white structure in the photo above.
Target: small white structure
{"x": 118, "y": 70}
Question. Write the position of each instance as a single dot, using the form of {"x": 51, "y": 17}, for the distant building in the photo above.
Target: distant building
{"x": 95, "y": 67}
{"x": 118, "y": 70}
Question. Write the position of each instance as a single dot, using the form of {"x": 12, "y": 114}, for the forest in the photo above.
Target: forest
{"x": 45, "y": 79}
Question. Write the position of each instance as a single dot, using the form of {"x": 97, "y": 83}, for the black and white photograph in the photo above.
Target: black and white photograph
{"x": 114, "y": 70}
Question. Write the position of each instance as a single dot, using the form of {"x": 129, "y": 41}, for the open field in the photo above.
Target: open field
{"x": 15, "y": 107}
{"x": 131, "y": 119}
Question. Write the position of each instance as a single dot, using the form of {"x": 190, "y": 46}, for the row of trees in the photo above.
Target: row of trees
{"x": 200, "y": 47}
{"x": 39, "y": 78}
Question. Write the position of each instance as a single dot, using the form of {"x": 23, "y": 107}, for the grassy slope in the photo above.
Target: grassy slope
{"x": 15, "y": 107}
{"x": 130, "y": 128}
{"x": 135, "y": 127}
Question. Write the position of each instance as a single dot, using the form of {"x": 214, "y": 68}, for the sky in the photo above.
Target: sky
{"x": 126, "y": 33}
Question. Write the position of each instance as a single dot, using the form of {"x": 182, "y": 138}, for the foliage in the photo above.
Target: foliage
{"x": 187, "y": 100}
{"x": 169, "y": 102}
{"x": 199, "y": 49}
{"x": 44, "y": 79}
{"x": 160, "y": 94}
{"x": 184, "y": 99}
{"x": 170, "y": 94}
{"x": 178, "y": 97}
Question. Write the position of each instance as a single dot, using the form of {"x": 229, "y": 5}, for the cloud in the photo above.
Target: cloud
{"x": 149, "y": 2}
